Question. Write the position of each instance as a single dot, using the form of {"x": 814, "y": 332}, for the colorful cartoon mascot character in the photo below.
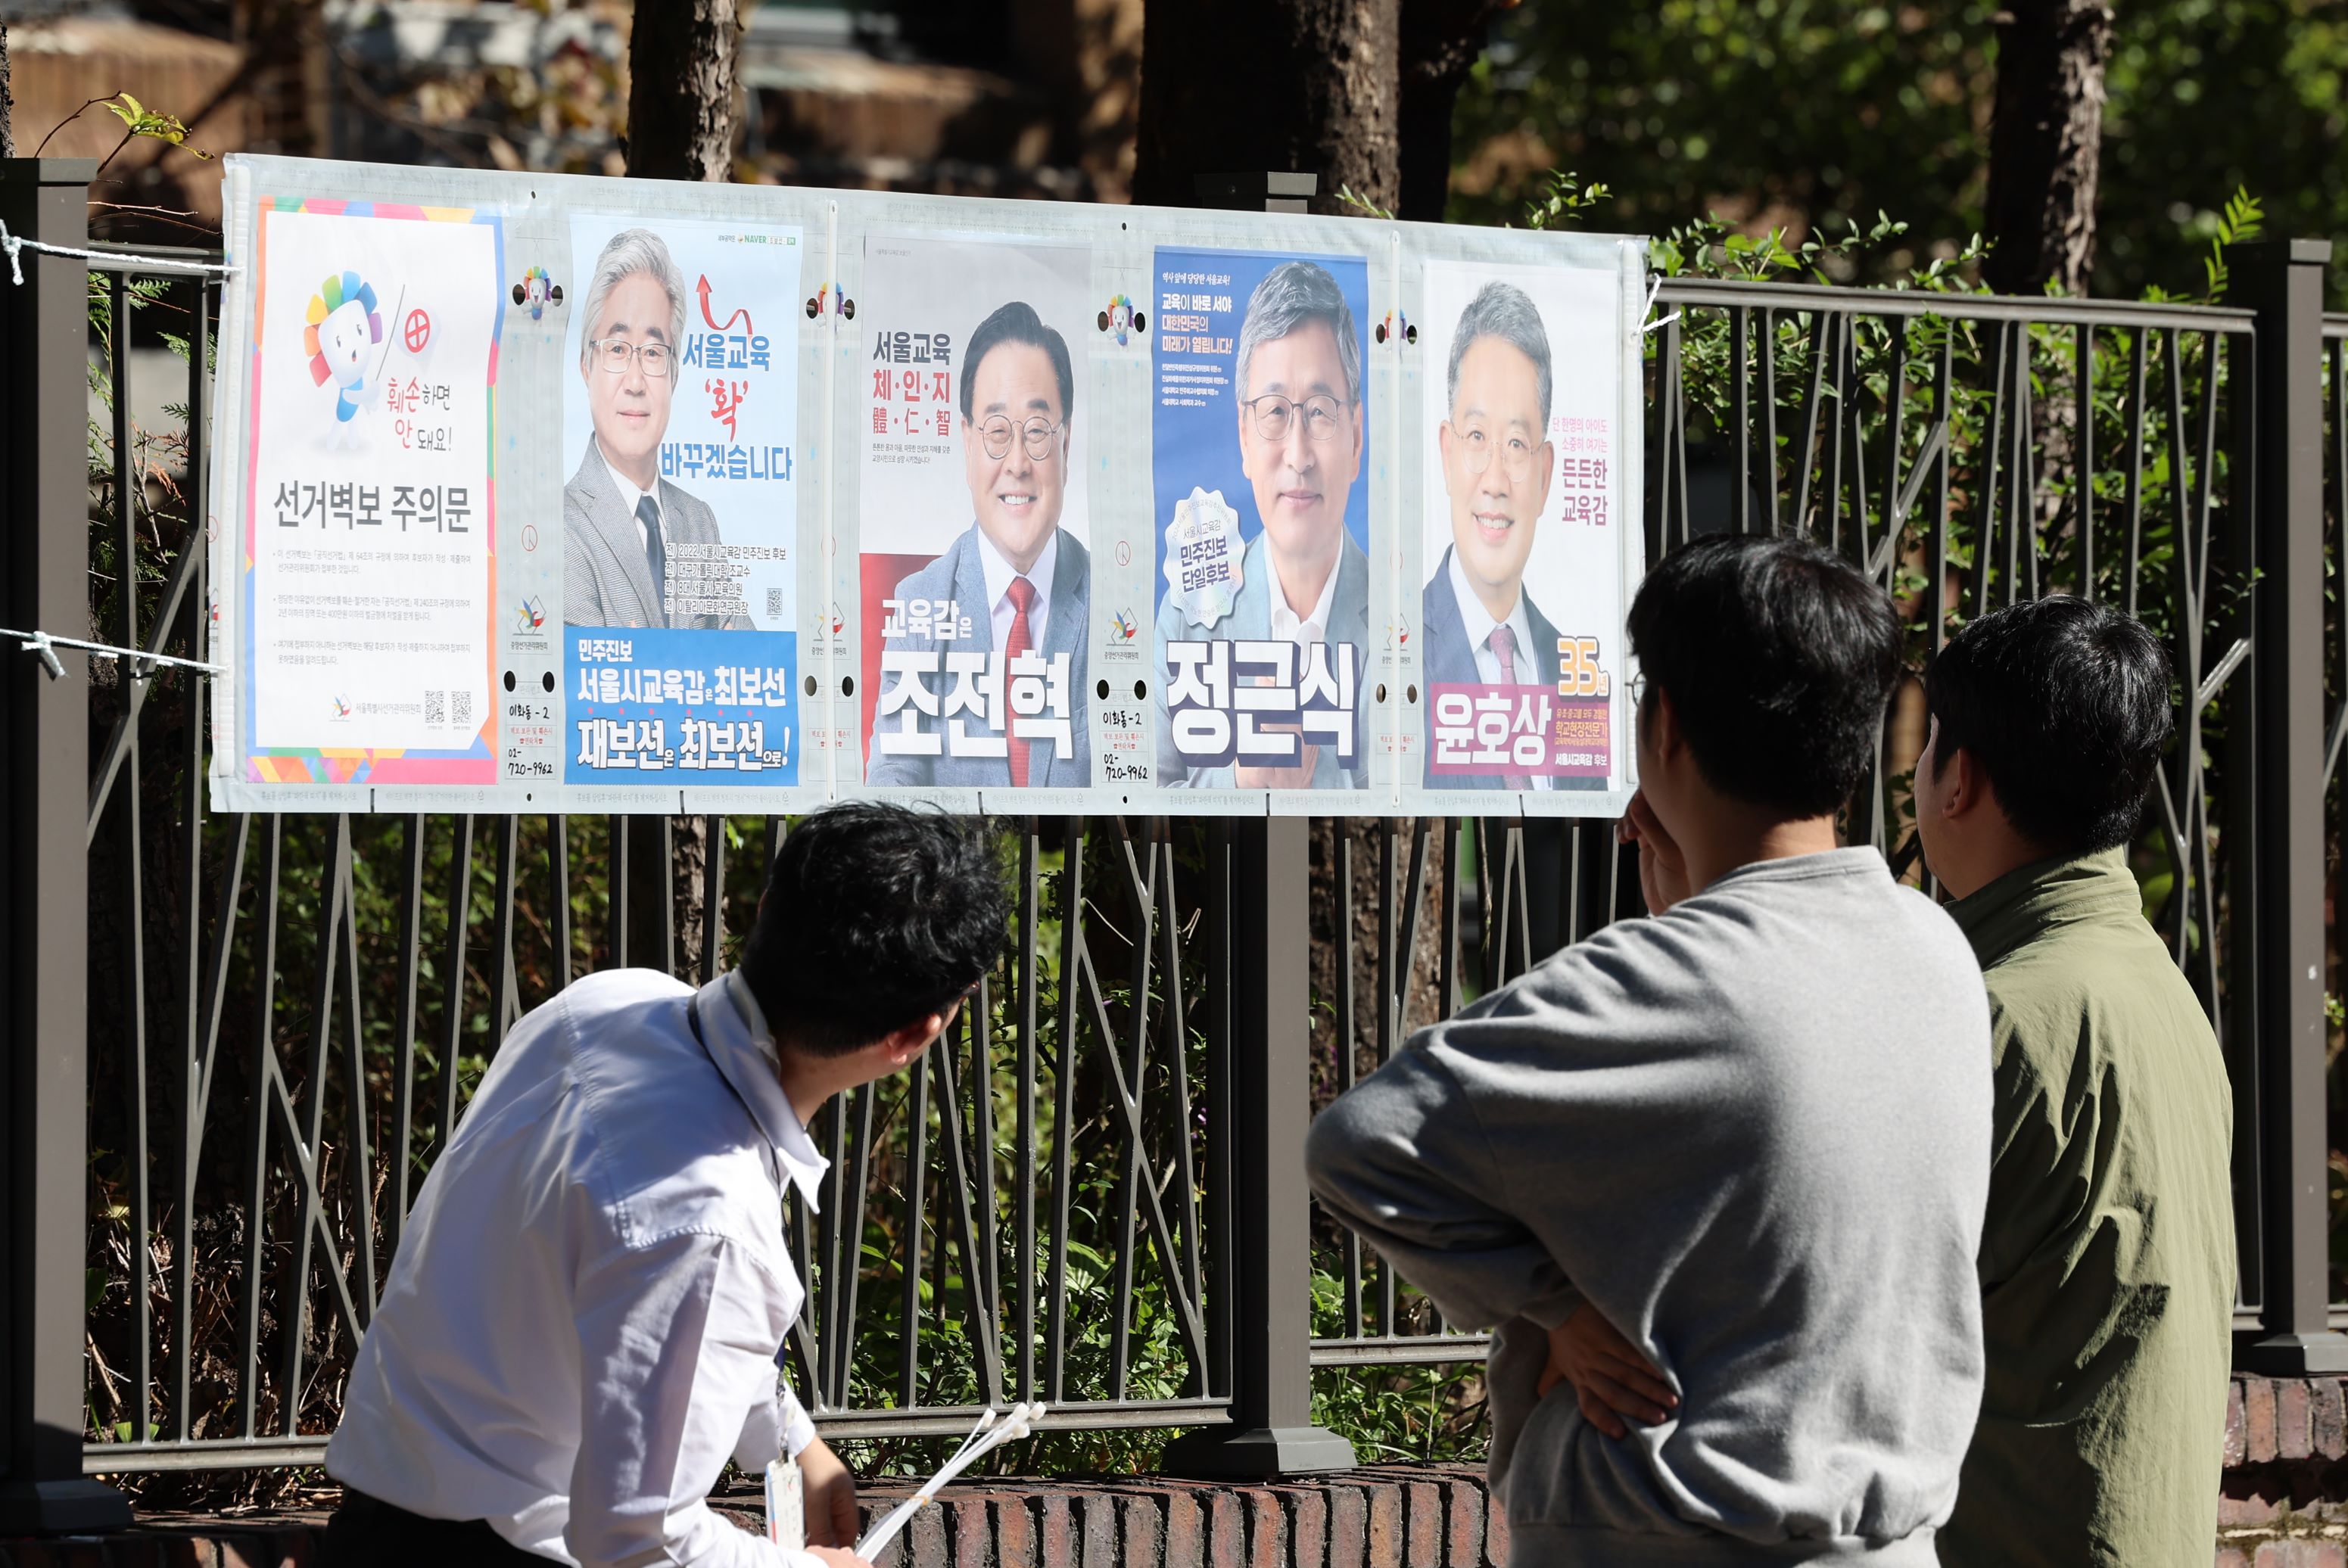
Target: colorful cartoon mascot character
{"x": 343, "y": 325}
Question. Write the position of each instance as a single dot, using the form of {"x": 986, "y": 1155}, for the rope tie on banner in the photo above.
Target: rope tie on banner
{"x": 46, "y": 646}
{"x": 1654, "y": 288}
{"x": 14, "y": 244}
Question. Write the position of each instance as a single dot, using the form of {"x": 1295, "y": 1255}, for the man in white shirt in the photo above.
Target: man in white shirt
{"x": 583, "y": 1321}
{"x": 637, "y": 550}
{"x": 1301, "y": 434}
{"x": 1023, "y": 583}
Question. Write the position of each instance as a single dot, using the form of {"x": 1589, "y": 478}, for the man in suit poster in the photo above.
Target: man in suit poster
{"x": 680, "y": 416}
{"x": 1263, "y": 517}
{"x": 1511, "y": 667}
{"x": 623, "y": 521}
{"x": 976, "y": 653}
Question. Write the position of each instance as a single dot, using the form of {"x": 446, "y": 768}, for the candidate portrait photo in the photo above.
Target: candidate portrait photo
{"x": 1301, "y": 431}
{"x": 1022, "y": 580}
{"x": 1481, "y": 623}
{"x": 621, "y": 521}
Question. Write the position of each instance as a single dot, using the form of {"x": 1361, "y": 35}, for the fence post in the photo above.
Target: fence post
{"x": 1267, "y": 971}
{"x": 43, "y": 865}
{"x": 2282, "y": 281}
{"x": 1266, "y": 997}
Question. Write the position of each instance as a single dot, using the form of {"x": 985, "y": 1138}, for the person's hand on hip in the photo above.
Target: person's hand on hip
{"x": 1610, "y": 1379}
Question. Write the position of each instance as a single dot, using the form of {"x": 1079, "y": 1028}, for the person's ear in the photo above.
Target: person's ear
{"x": 901, "y": 1047}
{"x": 1544, "y": 470}
{"x": 1664, "y": 733}
{"x": 1962, "y": 784}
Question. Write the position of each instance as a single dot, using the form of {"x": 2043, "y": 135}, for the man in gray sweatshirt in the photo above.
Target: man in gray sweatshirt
{"x": 1750, "y": 1132}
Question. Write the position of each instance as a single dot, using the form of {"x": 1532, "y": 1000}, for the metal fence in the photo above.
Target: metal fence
{"x": 237, "y": 1042}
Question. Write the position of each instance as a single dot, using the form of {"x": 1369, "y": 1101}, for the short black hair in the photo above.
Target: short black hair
{"x": 875, "y": 916}
{"x": 2066, "y": 706}
{"x": 1018, "y": 322}
{"x": 1778, "y": 657}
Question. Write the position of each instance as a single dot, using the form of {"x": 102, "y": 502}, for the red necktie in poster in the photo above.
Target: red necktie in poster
{"x": 1022, "y": 599}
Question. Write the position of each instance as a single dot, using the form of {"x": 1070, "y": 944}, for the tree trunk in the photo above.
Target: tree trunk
{"x": 7, "y": 100}
{"x": 681, "y": 123}
{"x": 1440, "y": 42}
{"x": 666, "y": 893}
{"x": 681, "y": 77}
{"x": 1243, "y": 86}
{"x": 1419, "y": 969}
{"x": 2045, "y": 143}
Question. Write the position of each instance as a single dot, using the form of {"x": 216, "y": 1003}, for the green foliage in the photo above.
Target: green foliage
{"x": 1709, "y": 247}
{"x": 1408, "y": 1412}
{"x": 153, "y": 123}
{"x": 2242, "y": 220}
{"x": 1803, "y": 115}
{"x": 1795, "y": 114}
{"x": 1565, "y": 201}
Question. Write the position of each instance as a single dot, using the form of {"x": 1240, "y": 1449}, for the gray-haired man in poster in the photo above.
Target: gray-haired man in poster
{"x": 636, "y": 550}
{"x": 1302, "y": 578}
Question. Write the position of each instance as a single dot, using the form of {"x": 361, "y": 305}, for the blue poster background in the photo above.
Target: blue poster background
{"x": 703, "y": 689}
{"x": 1194, "y": 425}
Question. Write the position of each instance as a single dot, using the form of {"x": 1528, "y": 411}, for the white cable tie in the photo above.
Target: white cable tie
{"x": 1654, "y": 287}
{"x": 14, "y": 243}
{"x": 39, "y": 643}
{"x": 46, "y": 646}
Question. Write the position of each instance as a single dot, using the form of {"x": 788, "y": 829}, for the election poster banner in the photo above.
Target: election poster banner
{"x": 680, "y": 516}
{"x": 1521, "y": 538}
{"x": 976, "y": 573}
{"x": 543, "y": 493}
{"x": 367, "y": 573}
{"x": 1260, "y": 448}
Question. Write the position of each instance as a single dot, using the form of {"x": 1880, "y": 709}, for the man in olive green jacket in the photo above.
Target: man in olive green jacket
{"x": 2107, "y": 1257}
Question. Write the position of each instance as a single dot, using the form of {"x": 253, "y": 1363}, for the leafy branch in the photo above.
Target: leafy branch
{"x": 138, "y": 121}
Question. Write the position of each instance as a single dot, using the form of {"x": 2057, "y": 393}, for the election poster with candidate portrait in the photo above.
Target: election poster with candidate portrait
{"x": 1522, "y": 585}
{"x": 548, "y": 493}
{"x": 368, "y": 576}
{"x": 1261, "y": 463}
{"x": 974, "y": 572}
{"x": 679, "y": 502}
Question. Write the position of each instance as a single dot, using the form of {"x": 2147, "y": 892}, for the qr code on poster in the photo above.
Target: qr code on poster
{"x": 461, "y": 708}
{"x": 774, "y": 604}
{"x": 436, "y": 707}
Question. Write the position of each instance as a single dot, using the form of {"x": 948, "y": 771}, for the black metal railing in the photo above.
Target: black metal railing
{"x": 238, "y": 1041}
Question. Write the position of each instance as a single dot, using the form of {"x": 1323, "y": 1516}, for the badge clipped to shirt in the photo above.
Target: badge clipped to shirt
{"x": 786, "y": 1504}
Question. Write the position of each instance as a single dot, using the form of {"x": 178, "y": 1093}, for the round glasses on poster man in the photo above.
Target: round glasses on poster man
{"x": 1039, "y": 436}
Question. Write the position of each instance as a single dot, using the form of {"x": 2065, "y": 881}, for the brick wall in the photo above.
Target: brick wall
{"x": 1406, "y": 1516}
{"x": 1383, "y": 1516}
{"x": 2283, "y": 1503}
